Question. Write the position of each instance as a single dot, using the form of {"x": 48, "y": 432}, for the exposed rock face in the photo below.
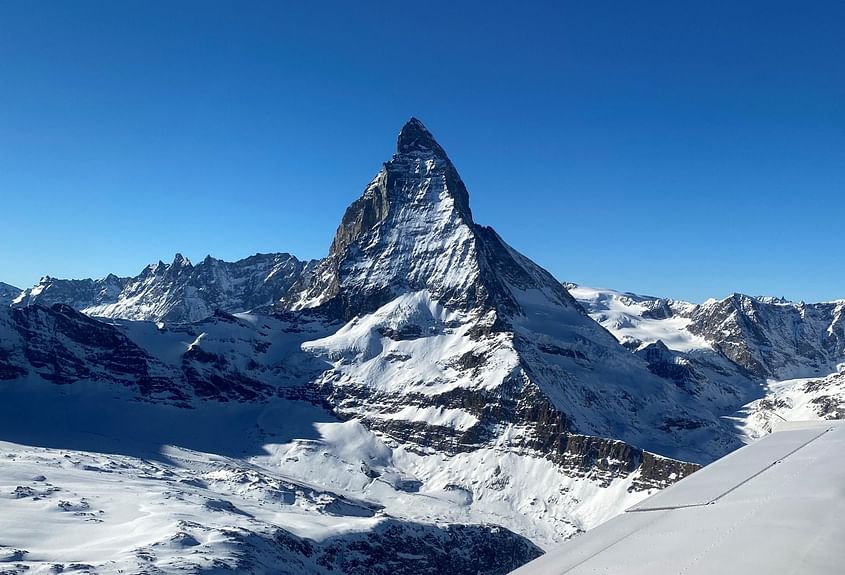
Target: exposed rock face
{"x": 517, "y": 409}
{"x": 177, "y": 292}
{"x": 63, "y": 346}
{"x": 828, "y": 396}
{"x": 666, "y": 364}
{"x": 774, "y": 339}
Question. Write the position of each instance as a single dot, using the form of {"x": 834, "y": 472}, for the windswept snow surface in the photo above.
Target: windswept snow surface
{"x": 626, "y": 316}
{"x": 94, "y": 479}
{"x": 802, "y": 399}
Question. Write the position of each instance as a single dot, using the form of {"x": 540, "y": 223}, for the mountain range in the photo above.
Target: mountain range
{"x": 424, "y": 399}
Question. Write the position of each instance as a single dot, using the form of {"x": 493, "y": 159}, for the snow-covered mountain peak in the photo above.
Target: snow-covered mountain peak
{"x": 412, "y": 230}
{"x": 417, "y": 152}
{"x": 766, "y": 338}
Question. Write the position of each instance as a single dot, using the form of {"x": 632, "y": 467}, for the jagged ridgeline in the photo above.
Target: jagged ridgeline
{"x": 422, "y": 390}
{"x": 176, "y": 292}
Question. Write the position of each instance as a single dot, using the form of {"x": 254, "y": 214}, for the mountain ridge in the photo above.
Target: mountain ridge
{"x": 177, "y": 292}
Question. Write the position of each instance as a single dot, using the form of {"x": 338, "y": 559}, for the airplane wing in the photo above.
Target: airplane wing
{"x": 776, "y": 506}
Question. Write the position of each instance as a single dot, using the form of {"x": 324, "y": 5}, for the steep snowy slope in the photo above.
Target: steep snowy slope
{"x": 176, "y": 292}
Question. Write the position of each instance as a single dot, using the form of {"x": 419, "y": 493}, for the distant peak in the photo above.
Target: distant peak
{"x": 180, "y": 260}
{"x": 414, "y": 137}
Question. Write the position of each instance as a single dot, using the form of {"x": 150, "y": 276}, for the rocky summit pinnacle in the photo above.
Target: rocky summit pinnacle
{"x": 412, "y": 230}
{"x": 414, "y": 137}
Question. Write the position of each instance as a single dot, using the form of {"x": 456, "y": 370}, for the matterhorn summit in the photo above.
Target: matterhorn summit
{"x": 471, "y": 316}
{"x": 413, "y": 230}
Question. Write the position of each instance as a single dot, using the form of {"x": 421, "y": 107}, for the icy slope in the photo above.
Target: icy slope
{"x": 773, "y": 338}
{"x": 176, "y": 292}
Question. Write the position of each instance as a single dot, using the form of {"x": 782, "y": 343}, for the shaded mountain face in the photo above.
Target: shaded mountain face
{"x": 221, "y": 358}
{"x": 176, "y": 292}
{"x": 8, "y": 293}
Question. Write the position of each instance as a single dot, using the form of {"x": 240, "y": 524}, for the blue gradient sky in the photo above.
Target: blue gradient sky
{"x": 659, "y": 147}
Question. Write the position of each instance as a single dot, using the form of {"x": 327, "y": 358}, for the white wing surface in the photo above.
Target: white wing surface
{"x": 776, "y": 506}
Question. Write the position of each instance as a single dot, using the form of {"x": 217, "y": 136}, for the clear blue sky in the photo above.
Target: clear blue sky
{"x": 674, "y": 148}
